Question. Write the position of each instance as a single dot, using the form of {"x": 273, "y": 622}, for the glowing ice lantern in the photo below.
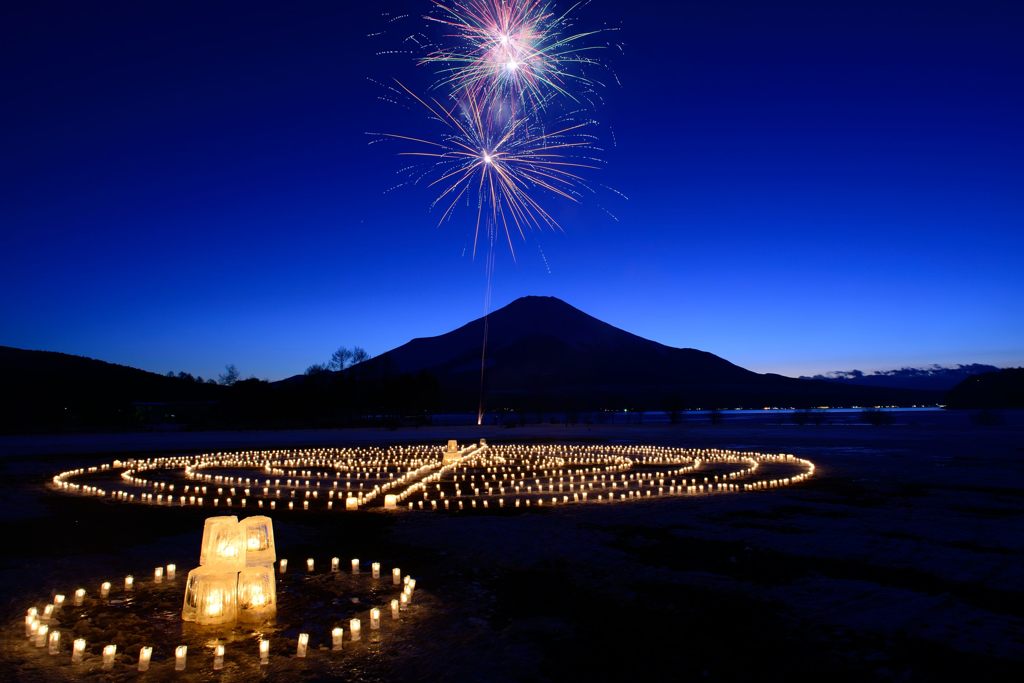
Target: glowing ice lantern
{"x": 41, "y": 636}
{"x": 355, "y": 627}
{"x": 54, "y": 642}
{"x": 374, "y": 619}
{"x": 264, "y": 651}
{"x": 257, "y": 594}
{"x": 351, "y": 503}
{"x": 77, "y": 650}
{"x": 145, "y": 654}
{"x": 210, "y": 596}
{"x": 337, "y": 633}
{"x": 218, "y": 657}
{"x": 224, "y": 544}
{"x": 390, "y": 501}
{"x": 259, "y": 540}
{"x": 300, "y": 648}
{"x": 180, "y": 657}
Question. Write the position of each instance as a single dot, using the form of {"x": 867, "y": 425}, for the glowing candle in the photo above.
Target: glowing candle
{"x": 390, "y": 501}
{"x": 404, "y": 599}
{"x": 158, "y": 575}
{"x": 218, "y": 658}
{"x": 335, "y": 562}
{"x": 264, "y": 651}
{"x": 47, "y": 613}
{"x": 171, "y": 569}
{"x": 129, "y": 582}
{"x": 375, "y": 567}
{"x": 374, "y": 619}
{"x": 309, "y": 565}
{"x": 300, "y": 650}
{"x": 79, "y": 596}
{"x": 145, "y": 654}
{"x": 41, "y": 635}
{"x": 351, "y": 503}
{"x": 284, "y": 565}
{"x": 58, "y": 601}
{"x": 355, "y": 628}
{"x": 54, "y": 642}
{"x": 355, "y": 566}
{"x": 394, "y": 609}
{"x": 336, "y": 635}
{"x": 180, "y": 657}
{"x": 31, "y": 625}
{"x": 77, "y": 650}
{"x": 104, "y": 589}
{"x": 108, "y": 656}
{"x": 396, "y": 576}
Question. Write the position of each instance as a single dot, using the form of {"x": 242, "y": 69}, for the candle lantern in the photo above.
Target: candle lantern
{"x": 224, "y": 543}
{"x": 145, "y": 654}
{"x": 355, "y": 627}
{"x": 77, "y": 650}
{"x": 180, "y": 657}
{"x": 259, "y": 540}
{"x": 374, "y": 619}
{"x": 42, "y": 635}
{"x": 390, "y": 501}
{"x": 218, "y": 657}
{"x": 300, "y": 648}
{"x": 375, "y": 570}
{"x": 337, "y": 633}
{"x": 54, "y": 642}
{"x": 264, "y": 651}
{"x": 257, "y": 594}
{"x": 108, "y": 656}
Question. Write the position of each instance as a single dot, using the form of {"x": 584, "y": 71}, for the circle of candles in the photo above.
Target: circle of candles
{"x": 145, "y": 654}
{"x": 180, "y": 657}
{"x": 264, "y": 650}
{"x": 108, "y": 656}
{"x": 303, "y": 643}
{"x": 309, "y": 565}
{"x": 374, "y": 619}
{"x": 355, "y": 628}
{"x": 77, "y": 650}
{"x": 54, "y": 642}
{"x": 336, "y": 637}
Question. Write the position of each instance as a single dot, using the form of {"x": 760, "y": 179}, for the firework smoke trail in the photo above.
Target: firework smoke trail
{"x": 514, "y": 50}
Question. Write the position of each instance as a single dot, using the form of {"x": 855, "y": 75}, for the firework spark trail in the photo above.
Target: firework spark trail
{"x": 517, "y": 50}
{"x": 502, "y": 164}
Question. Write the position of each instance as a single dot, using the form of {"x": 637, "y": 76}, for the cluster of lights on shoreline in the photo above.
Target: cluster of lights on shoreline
{"x": 425, "y": 477}
{"x": 217, "y": 598}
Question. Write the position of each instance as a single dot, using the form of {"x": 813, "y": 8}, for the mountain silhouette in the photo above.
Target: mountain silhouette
{"x": 542, "y": 351}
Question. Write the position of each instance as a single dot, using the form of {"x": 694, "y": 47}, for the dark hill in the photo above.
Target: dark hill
{"x": 43, "y": 390}
{"x": 1002, "y": 389}
{"x": 544, "y": 353}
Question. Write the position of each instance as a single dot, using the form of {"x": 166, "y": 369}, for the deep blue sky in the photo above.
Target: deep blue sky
{"x": 812, "y": 186}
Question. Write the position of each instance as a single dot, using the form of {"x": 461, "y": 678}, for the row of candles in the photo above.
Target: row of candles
{"x": 404, "y": 477}
{"x": 40, "y": 633}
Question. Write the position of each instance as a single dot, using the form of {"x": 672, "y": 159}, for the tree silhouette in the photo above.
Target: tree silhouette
{"x": 230, "y": 375}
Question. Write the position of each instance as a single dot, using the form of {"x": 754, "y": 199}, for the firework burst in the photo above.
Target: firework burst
{"x": 498, "y": 166}
{"x": 519, "y": 50}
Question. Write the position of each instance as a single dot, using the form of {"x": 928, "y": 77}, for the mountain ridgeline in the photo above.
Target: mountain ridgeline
{"x": 543, "y": 356}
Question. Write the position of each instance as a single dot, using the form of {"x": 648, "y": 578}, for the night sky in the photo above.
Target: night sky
{"x": 812, "y": 186}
